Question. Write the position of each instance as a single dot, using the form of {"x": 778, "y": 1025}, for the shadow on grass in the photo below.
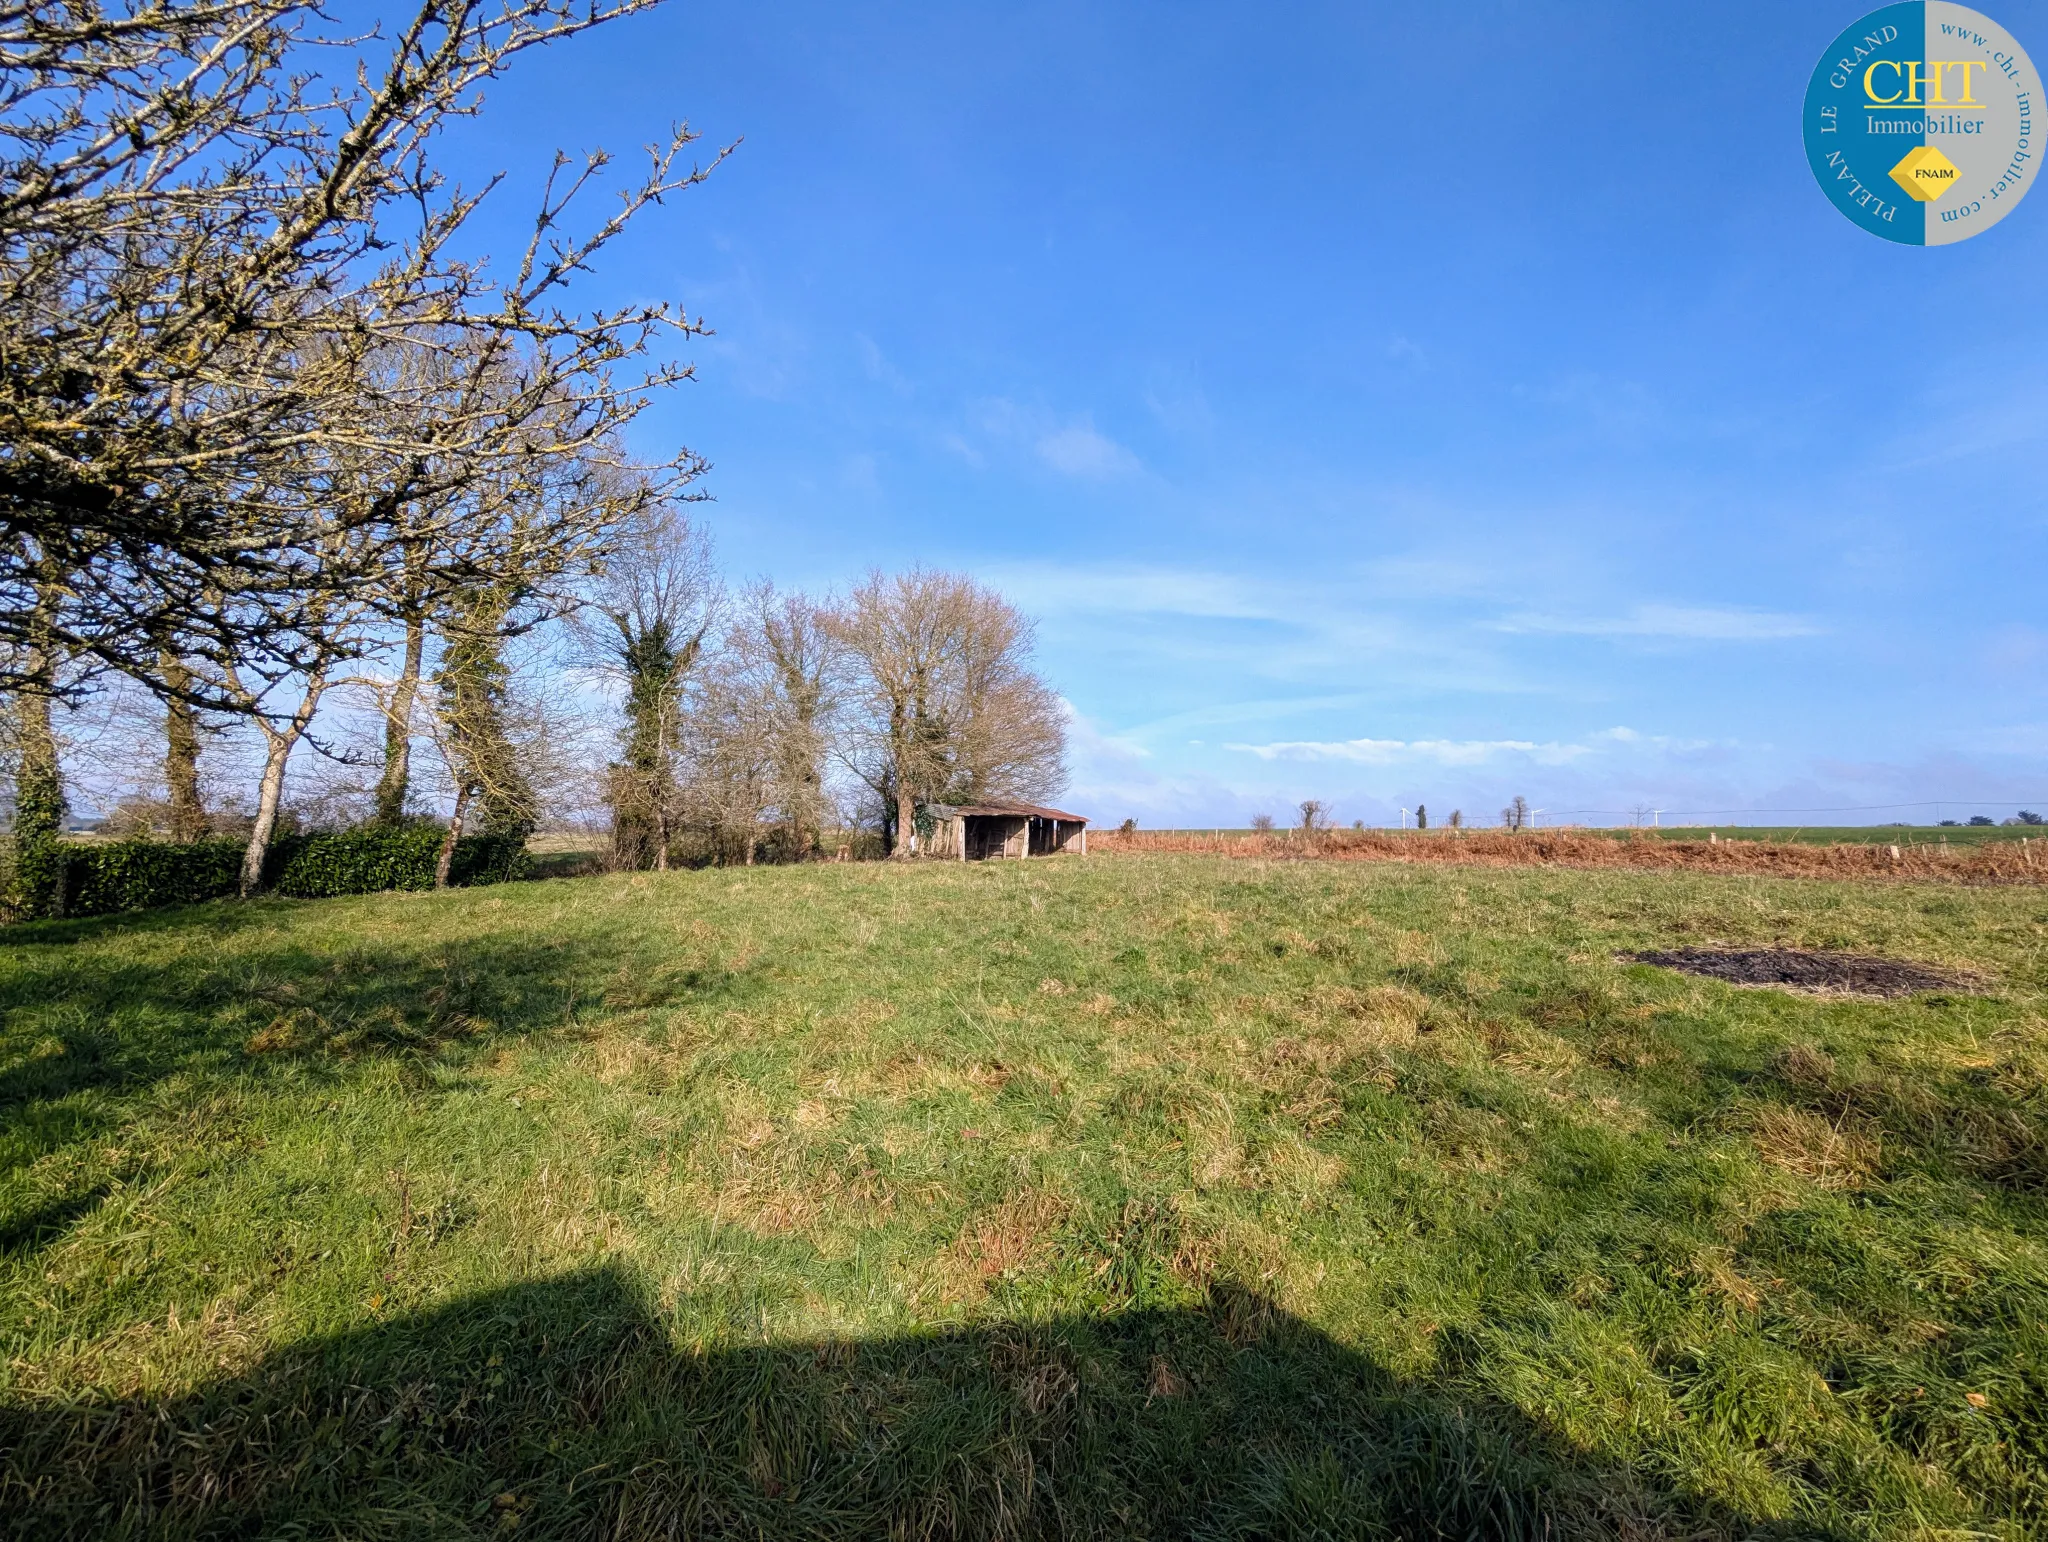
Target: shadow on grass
{"x": 222, "y": 997}
{"x": 560, "y": 1409}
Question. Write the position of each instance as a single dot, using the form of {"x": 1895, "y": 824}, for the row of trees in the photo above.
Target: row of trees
{"x": 274, "y": 435}
{"x": 756, "y": 721}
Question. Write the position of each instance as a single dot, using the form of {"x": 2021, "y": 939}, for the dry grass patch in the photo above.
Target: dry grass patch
{"x": 162, "y": 1357}
{"x": 1715, "y": 1268}
{"x": 1815, "y": 1148}
{"x": 997, "y": 1241}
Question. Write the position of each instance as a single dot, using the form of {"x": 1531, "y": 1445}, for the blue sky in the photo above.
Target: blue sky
{"x": 1372, "y": 403}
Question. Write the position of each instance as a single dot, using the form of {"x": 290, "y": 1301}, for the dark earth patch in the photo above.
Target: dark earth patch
{"x": 1842, "y": 973}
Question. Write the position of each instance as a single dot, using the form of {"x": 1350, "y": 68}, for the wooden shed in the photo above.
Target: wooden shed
{"x": 979, "y": 832}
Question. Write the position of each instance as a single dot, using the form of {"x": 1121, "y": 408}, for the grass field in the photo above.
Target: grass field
{"x": 1118, "y": 1197}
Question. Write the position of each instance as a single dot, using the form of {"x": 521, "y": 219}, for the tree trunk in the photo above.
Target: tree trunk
{"x": 181, "y": 754}
{"x": 279, "y": 743}
{"x": 395, "y": 781}
{"x": 278, "y": 751}
{"x": 39, "y": 802}
{"x": 39, "y": 808}
{"x": 444, "y": 864}
{"x": 906, "y": 823}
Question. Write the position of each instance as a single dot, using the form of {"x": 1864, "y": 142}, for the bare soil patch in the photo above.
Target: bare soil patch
{"x": 1847, "y": 974}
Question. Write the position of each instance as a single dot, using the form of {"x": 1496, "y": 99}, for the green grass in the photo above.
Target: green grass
{"x": 1147, "y": 1196}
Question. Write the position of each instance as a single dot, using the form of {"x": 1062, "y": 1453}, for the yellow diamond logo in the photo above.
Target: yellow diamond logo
{"x": 1925, "y": 173}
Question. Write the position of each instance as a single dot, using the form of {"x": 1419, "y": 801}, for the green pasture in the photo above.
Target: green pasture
{"x": 1167, "y": 1197}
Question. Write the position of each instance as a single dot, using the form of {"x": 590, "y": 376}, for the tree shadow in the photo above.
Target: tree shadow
{"x": 561, "y": 1409}
{"x": 226, "y": 1001}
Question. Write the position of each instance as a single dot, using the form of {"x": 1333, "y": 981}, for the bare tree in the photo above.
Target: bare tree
{"x": 948, "y": 707}
{"x": 777, "y": 686}
{"x": 727, "y": 764}
{"x": 1516, "y": 815}
{"x": 39, "y": 801}
{"x": 645, "y": 627}
{"x": 1315, "y": 816}
{"x": 203, "y": 248}
{"x": 477, "y": 741}
{"x": 280, "y": 695}
{"x": 527, "y": 514}
{"x": 1262, "y": 824}
{"x": 182, "y": 731}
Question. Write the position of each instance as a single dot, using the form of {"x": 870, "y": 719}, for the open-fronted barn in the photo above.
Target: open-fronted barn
{"x": 980, "y": 831}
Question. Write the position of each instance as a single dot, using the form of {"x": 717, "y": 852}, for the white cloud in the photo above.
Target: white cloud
{"x": 1078, "y": 450}
{"x": 878, "y": 367}
{"x": 1089, "y": 742}
{"x": 1073, "y": 447}
{"x": 1466, "y": 752}
{"x": 1442, "y": 752}
{"x": 1698, "y": 622}
{"x": 1052, "y": 589}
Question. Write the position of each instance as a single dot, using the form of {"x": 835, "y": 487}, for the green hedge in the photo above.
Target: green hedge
{"x": 379, "y": 857}
{"x": 104, "y": 878}
{"x": 146, "y": 875}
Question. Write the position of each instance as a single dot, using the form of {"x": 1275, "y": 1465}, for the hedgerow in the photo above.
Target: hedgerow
{"x": 115, "y": 876}
{"x": 377, "y": 857}
{"x": 101, "y": 879}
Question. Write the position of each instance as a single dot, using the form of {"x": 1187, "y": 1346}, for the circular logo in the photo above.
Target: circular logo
{"x": 1920, "y": 123}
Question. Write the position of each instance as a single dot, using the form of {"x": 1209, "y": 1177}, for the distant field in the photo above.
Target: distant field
{"x": 1155, "y": 1196}
{"x": 1870, "y": 835}
{"x": 1810, "y": 835}
{"x": 1905, "y": 861}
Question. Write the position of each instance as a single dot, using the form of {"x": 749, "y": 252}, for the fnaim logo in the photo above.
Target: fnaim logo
{"x": 1920, "y": 123}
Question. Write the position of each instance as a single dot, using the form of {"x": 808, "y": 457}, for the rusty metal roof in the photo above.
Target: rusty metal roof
{"x": 1001, "y": 806}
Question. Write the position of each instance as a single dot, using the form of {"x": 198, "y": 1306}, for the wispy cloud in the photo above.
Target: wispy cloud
{"x": 1079, "y": 450}
{"x": 1051, "y": 589}
{"x": 1705, "y": 623}
{"x": 878, "y": 368}
{"x": 1464, "y": 752}
{"x": 1071, "y": 446}
{"x": 1394, "y": 752}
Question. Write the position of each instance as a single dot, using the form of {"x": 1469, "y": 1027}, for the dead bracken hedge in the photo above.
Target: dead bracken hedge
{"x": 1999, "y": 862}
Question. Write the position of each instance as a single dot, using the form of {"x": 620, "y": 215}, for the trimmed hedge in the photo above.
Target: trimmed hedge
{"x": 146, "y": 875}
{"x": 378, "y": 857}
{"x": 113, "y": 876}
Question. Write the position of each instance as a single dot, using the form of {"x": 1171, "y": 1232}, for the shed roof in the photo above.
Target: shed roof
{"x": 1003, "y": 806}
